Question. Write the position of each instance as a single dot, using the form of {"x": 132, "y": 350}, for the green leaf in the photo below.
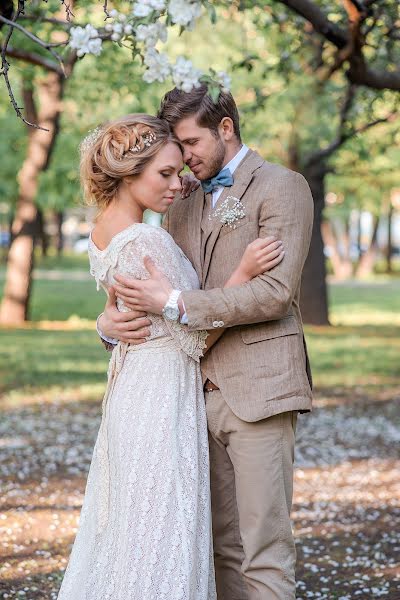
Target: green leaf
{"x": 214, "y": 91}
{"x": 212, "y": 13}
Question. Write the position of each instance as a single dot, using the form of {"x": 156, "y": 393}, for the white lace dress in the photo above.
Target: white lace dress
{"x": 145, "y": 524}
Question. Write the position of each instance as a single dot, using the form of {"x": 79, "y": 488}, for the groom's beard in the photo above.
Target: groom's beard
{"x": 215, "y": 161}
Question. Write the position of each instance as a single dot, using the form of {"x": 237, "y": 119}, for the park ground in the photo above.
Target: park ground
{"x": 346, "y": 510}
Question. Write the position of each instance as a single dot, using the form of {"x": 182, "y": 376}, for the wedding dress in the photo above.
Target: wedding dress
{"x": 145, "y": 524}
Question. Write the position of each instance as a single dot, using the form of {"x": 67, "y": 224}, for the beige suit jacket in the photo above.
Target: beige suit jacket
{"x": 260, "y": 363}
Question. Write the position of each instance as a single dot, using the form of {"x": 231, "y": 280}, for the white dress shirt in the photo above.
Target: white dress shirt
{"x": 232, "y": 165}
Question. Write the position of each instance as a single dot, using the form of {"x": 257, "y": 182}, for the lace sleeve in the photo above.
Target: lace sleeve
{"x": 157, "y": 244}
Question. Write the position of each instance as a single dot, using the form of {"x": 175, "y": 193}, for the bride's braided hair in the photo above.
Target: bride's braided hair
{"x": 119, "y": 149}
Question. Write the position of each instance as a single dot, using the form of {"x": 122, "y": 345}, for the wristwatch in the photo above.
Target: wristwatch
{"x": 171, "y": 309}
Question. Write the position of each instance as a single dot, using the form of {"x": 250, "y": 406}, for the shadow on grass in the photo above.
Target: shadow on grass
{"x": 40, "y": 358}
{"x": 361, "y": 356}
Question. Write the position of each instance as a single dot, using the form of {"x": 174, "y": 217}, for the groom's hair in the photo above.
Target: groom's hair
{"x": 177, "y": 105}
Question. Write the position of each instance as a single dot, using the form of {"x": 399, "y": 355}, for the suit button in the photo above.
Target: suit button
{"x": 221, "y": 324}
{"x": 215, "y": 324}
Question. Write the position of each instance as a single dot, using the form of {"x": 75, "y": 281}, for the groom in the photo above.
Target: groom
{"x": 256, "y": 377}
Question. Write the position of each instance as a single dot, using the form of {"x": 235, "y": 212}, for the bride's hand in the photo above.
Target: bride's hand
{"x": 261, "y": 255}
{"x": 189, "y": 184}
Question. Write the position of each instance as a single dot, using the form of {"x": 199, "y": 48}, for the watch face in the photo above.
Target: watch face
{"x": 171, "y": 313}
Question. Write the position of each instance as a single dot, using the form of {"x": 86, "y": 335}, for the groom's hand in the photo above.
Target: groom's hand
{"x": 147, "y": 295}
{"x": 132, "y": 327}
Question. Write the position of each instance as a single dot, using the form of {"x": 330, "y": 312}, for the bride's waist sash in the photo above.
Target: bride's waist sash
{"x": 122, "y": 349}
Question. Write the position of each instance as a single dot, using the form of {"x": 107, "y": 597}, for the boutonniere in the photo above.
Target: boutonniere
{"x": 229, "y": 212}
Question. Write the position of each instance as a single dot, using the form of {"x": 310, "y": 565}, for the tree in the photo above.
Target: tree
{"x": 365, "y": 175}
{"x": 337, "y": 49}
{"x": 309, "y": 54}
{"x": 46, "y": 29}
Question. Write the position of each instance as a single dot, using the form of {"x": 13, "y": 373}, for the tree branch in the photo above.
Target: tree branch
{"x": 314, "y": 15}
{"x": 68, "y": 11}
{"x": 33, "y": 59}
{"x": 29, "y": 101}
{"x": 359, "y": 72}
{"x": 41, "y": 19}
{"x": 322, "y": 155}
{"x": 5, "y": 65}
{"x": 46, "y": 45}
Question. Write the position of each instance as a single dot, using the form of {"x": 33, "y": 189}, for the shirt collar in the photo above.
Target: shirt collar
{"x": 237, "y": 159}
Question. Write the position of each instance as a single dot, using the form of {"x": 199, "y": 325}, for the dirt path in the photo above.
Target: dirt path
{"x": 346, "y": 502}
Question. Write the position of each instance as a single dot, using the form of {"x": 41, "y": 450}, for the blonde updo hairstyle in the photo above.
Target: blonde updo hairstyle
{"x": 117, "y": 150}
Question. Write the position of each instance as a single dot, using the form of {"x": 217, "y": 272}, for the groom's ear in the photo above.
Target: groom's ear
{"x": 227, "y": 129}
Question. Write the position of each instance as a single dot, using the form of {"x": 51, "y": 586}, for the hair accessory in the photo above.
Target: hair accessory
{"x": 144, "y": 141}
{"x": 91, "y": 138}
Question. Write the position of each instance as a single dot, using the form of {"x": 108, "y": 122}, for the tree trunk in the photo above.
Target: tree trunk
{"x": 359, "y": 248}
{"x": 41, "y": 233}
{"x": 342, "y": 267}
{"x": 60, "y": 237}
{"x": 389, "y": 246}
{"x": 367, "y": 260}
{"x": 14, "y": 307}
{"x": 314, "y": 297}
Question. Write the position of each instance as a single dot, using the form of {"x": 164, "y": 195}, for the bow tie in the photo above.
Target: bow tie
{"x": 223, "y": 179}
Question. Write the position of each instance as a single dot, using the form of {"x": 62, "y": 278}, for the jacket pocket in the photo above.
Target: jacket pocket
{"x": 270, "y": 330}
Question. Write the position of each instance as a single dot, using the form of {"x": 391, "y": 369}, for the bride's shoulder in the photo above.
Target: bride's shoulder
{"x": 155, "y": 233}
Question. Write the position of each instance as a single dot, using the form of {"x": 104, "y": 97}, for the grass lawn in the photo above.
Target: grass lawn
{"x": 66, "y": 262}
{"x": 361, "y": 350}
{"x": 346, "y": 494}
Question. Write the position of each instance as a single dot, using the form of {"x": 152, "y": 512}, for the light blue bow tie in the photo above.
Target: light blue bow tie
{"x": 224, "y": 179}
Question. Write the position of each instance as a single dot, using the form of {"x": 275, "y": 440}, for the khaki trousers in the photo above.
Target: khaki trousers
{"x": 251, "y": 495}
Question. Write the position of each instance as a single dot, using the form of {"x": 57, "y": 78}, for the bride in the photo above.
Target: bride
{"x": 145, "y": 524}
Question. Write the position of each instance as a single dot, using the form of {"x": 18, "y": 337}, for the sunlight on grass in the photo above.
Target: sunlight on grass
{"x": 351, "y": 356}
{"x": 359, "y": 303}
{"x": 48, "y": 359}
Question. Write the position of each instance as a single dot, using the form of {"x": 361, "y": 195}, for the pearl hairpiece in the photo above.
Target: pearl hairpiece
{"x": 91, "y": 138}
{"x": 142, "y": 141}
{"x": 147, "y": 139}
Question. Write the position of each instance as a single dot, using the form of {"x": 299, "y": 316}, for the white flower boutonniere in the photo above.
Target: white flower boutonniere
{"x": 230, "y": 211}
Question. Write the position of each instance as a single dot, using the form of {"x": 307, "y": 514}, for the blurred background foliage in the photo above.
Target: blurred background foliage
{"x": 297, "y": 108}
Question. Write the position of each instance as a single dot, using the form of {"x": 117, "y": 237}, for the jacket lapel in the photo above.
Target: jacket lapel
{"x": 195, "y": 216}
{"x": 242, "y": 178}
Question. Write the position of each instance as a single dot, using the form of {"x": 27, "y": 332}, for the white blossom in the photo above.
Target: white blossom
{"x": 94, "y": 46}
{"x": 184, "y": 12}
{"x": 150, "y": 34}
{"x": 158, "y": 67}
{"x": 185, "y": 75}
{"x": 85, "y": 40}
{"x": 224, "y": 80}
{"x": 119, "y": 28}
{"x": 181, "y": 12}
{"x": 142, "y": 8}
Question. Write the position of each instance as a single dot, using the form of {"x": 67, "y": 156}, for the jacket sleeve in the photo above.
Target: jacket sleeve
{"x": 287, "y": 213}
